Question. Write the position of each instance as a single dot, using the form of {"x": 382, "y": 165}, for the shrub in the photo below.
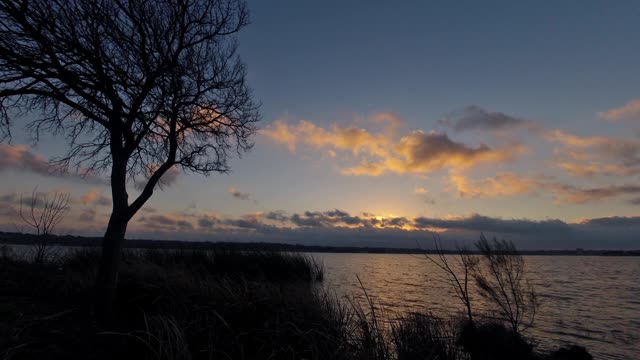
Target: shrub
{"x": 494, "y": 341}
{"x": 425, "y": 337}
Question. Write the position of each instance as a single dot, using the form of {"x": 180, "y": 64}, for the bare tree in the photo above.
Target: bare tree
{"x": 43, "y": 215}
{"x": 501, "y": 280}
{"x": 459, "y": 274}
{"x": 137, "y": 86}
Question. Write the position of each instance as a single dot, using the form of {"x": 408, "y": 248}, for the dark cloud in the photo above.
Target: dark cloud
{"x": 10, "y": 198}
{"x": 279, "y": 216}
{"x": 184, "y": 224}
{"x": 325, "y": 219}
{"x": 336, "y": 213}
{"x": 397, "y": 221}
{"x": 166, "y": 222}
{"x": 571, "y": 194}
{"x": 88, "y": 215}
{"x": 244, "y": 223}
{"x": 208, "y": 221}
{"x": 334, "y": 228}
{"x": 474, "y": 117}
{"x": 37, "y": 198}
{"x": 306, "y": 221}
{"x": 614, "y": 221}
{"x": 484, "y": 223}
{"x": 427, "y": 152}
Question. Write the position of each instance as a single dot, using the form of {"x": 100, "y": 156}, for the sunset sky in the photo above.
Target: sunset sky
{"x": 384, "y": 120}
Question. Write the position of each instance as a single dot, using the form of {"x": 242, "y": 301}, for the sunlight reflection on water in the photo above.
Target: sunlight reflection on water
{"x": 593, "y": 301}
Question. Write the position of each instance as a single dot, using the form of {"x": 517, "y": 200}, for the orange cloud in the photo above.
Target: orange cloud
{"x": 421, "y": 152}
{"x": 503, "y": 184}
{"x": 565, "y": 138}
{"x": 628, "y": 111}
{"x": 280, "y": 133}
{"x": 352, "y": 139}
{"x": 381, "y": 152}
{"x": 365, "y": 168}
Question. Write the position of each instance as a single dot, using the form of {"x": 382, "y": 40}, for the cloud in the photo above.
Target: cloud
{"x": 247, "y": 221}
{"x": 480, "y": 223}
{"x": 340, "y": 228}
{"x": 238, "y": 194}
{"x": 595, "y": 168}
{"x": 280, "y": 132}
{"x": 95, "y": 197}
{"x": 510, "y": 184}
{"x": 502, "y": 184}
{"x": 20, "y": 158}
{"x": 165, "y": 222}
{"x": 208, "y": 221}
{"x": 353, "y": 139}
{"x": 38, "y": 197}
{"x": 10, "y": 198}
{"x": 381, "y": 152}
{"x": 424, "y": 194}
{"x": 596, "y": 155}
{"x": 88, "y": 215}
{"x": 169, "y": 178}
{"x": 571, "y": 194}
{"x": 365, "y": 169}
{"x": 279, "y": 216}
{"x": 628, "y": 111}
{"x": 613, "y": 221}
{"x": 421, "y": 152}
{"x": 392, "y": 119}
{"x": 474, "y": 117}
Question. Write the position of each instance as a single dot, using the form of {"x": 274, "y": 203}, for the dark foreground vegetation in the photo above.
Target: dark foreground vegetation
{"x": 223, "y": 305}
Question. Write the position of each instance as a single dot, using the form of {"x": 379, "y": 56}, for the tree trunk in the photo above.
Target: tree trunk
{"x": 113, "y": 241}
{"x": 107, "y": 279}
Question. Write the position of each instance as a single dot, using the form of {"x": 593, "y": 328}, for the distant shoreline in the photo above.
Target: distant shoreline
{"x": 13, "y": 238}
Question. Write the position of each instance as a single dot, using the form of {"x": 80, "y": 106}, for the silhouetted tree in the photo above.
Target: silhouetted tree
{"x": 459, "y": 274}
{"x": 137, "y": 86}
{"x": 502, "y": 281}
{"x": 44, "y": 213}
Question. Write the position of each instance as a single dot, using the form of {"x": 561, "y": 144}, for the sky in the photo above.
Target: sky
{"x": 384, "y": 123}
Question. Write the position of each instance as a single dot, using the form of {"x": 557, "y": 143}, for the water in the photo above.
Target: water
{"x": 593, "y": 301}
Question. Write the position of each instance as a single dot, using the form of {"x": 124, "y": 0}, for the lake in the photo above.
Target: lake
{"x": 593, "y": 301}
